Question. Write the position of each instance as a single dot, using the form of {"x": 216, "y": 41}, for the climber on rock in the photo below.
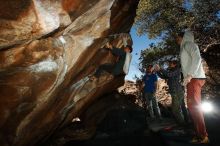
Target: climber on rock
{"x": 121, "y": 67}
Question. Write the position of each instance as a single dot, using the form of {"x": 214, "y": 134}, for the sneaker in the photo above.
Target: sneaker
{"x": 197, "y": 140}
{"x": 205, "y": 140}
{"x": 194, "y": 140}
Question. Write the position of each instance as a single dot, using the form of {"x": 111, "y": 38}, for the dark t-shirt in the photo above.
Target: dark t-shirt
{"x": 118, "y": 67}
{"x": 149, "y": 83}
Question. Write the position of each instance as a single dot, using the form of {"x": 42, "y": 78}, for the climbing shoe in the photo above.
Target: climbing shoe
{"x": 197, "y": 140}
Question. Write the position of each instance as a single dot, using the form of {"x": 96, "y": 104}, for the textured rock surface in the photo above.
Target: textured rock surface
{"x": 212, "y": 67}
{"x": 48, "y": 48}
{"x": 113, "y": 115}
{"x": 136, "y": 88}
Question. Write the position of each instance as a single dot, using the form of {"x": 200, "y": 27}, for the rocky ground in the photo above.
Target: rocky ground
{"x": 129, "y": 125}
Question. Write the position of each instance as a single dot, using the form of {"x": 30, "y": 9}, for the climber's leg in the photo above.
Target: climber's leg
{"x": 105, "y": 67}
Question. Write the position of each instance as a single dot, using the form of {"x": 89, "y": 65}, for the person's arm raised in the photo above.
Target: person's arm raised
{"x": 108, "y": 45}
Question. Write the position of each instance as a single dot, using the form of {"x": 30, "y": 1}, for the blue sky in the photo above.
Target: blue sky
{"x": 142, "y": 42}
{"x": 139, "y": 43}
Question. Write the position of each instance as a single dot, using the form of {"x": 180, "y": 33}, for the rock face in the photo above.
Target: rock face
{"x": 113, "y": 115}
{"x": 212, "y": 66}
{"x": 47, "y": 50}
{"x": 136, "y": 89}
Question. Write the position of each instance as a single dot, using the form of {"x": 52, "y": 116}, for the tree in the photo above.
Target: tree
{"x": 207, "y": 23}
{"x": 163, "y": 17}
{"x": 157, "y": 17}
{"x": 158, "y": 53}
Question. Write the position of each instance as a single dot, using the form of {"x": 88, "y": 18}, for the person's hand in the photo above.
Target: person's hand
{"x": 108, "y": 45}
{"x": 155, "y": 93}
{"x": 187, "y": 79}
{"x": 125, "y": 38}
{"x": 156, "y": 67}
{"x": 124, "y": 35}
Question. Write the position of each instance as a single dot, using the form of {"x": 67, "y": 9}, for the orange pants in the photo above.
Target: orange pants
{"x": 194, "y": 101}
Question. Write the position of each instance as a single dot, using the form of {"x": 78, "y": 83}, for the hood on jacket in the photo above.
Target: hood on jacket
{"x": 188, "y": 37}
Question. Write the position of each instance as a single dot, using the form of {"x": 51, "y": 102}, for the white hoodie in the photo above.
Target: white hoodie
{"x": 127, "y": 62}
{"x": 127, "y": 58}
{"x": 190, "y": 58}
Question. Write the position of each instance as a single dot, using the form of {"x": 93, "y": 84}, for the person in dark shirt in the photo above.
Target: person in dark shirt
{"x": 176, "y": 90}
{"x": 150, "y": 85}
{"x": 118, "y": 67}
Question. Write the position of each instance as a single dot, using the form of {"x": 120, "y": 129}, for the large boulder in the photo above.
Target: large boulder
{"x": 113, "y": 115}
{"x": 48, "y": 50}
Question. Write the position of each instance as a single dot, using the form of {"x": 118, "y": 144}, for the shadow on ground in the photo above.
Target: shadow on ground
{"x": 128, "y": 124}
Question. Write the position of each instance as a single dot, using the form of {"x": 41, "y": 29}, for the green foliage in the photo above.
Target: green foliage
{"x": 158, "y": 53}
{"x": 155, "y": 17}
{"x": 207, "y": 23}
{"x": 206, "y": 13}
{"x": 163, "y": 18}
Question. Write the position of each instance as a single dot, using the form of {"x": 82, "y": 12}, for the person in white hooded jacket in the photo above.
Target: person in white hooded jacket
{"x": 194, "y": 79}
